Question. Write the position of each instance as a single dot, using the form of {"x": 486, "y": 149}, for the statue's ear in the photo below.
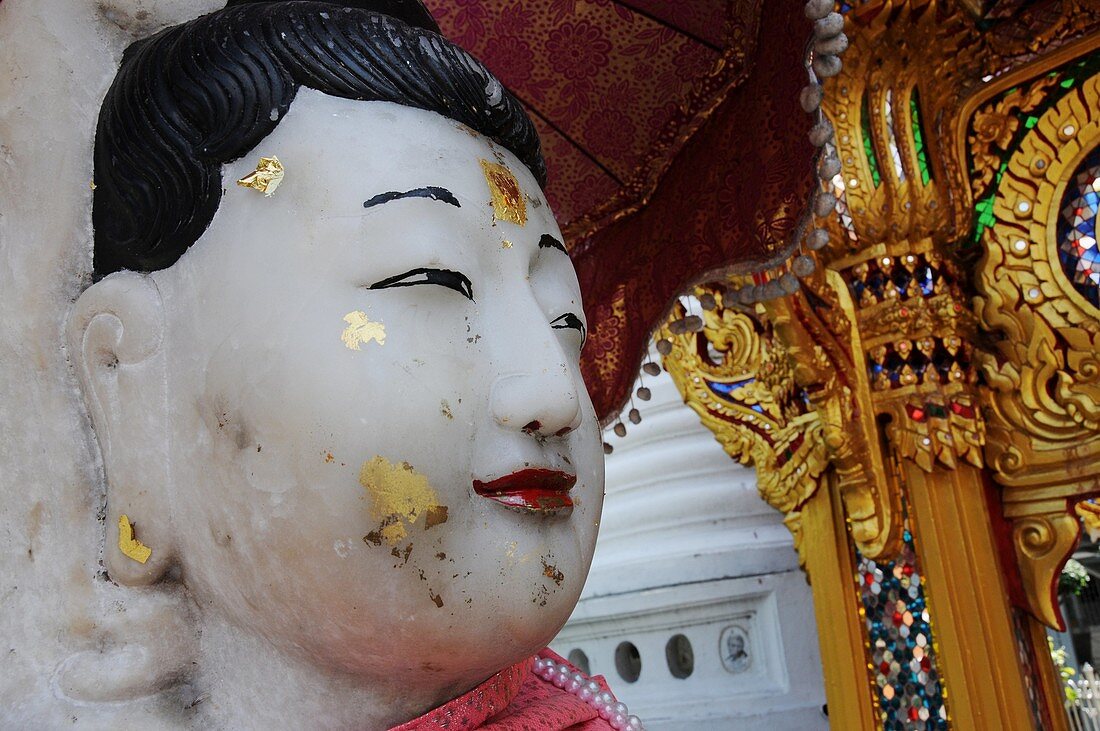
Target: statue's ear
{"x": 115, "y": 338}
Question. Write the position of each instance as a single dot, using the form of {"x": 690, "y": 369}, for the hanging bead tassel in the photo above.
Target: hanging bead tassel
{"x": 811, "y": 97}
{"x": 829, "y": 167}
{"x": 803, "y": 266}
{"x": 818, "y": 9}
{"x": 693, "y": 323}
{"x": 821, "y": 133}
{"x": 789, "y": 283}
{"x": 817, "y": 239}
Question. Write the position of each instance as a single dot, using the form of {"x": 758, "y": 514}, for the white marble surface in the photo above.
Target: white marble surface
{"x": 220, "y": 386}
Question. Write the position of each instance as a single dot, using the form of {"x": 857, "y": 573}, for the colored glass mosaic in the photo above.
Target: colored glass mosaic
{"x": 918, "y": 138}
{"x": 1028, "y": 665}
{"x": 898, "y": 278}
{"x": 925, "y": 360}
{"x": 902, "y": 653}
{"x": 892, "y": 137}
{"x": 845, "y": 6}
{"x": 726, "y": 392}
{"x": 1069, "y": 77}
{"x": 984, "y": 210}
{"x": 843, "y": 213}
{"x": 726, "y": 389}
{"x": 868, "y": 145}
{"x": 922, "y": 412}
{"x": 1077, "y": 249}
{"x": 840, "y": 191}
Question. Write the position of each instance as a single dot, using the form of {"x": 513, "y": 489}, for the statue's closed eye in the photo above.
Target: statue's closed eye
{"x": 457, "y": 281}
{"x": 569, "y": 320}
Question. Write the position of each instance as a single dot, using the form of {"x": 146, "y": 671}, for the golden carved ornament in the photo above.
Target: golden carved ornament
{"x": 818, "y": 327}
{"x": 940, "y": 428}
{"x": 779, "y": 389}
{"x": 1043, "y": 373}
{"x": 917, "y": 340}
{"x": 871, "y": 105}
{"x": 994, "y": 127}
{"x": 1043, "y": 27}
{"x": 740, "y": 381}
{"x": 897, "y": 197}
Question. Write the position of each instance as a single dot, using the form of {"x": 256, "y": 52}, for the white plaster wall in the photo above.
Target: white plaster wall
{"x": 687, "y": 546}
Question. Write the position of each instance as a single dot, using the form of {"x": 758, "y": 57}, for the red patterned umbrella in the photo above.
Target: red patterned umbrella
{"x": 674, "y": 139}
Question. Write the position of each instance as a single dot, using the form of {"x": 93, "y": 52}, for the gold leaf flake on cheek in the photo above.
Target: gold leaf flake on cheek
{"x": 508, "y": 200}
{"x": 130, "y": 546}
{"x": 399, "y": 496}
{"x": 266, "y": 177}
{"x": 361, "y": 330}
{"x": 437, "y": 515}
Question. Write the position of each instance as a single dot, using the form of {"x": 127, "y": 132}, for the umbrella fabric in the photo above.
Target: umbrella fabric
{"x": 675, "y": 143}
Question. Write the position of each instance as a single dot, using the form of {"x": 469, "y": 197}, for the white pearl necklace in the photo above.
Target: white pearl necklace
{"x": 589, "y": 691}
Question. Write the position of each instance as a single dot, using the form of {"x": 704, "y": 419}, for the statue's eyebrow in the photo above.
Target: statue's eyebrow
{"x": 549, "y": 242}
{"x": 431, "y": 191}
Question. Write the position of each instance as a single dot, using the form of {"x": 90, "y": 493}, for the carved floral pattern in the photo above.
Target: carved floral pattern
{"x": 995, "y": 126}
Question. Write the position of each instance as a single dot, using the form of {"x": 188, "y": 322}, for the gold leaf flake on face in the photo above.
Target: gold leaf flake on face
{"x": 266, "y": 177}
{"x": 399, "y": 496}
{"x": 508, "y": 200}
{"x": 130, "y": 546}
{"x": 361, "y": 330}
{"x": 506, "y": 244}
{"x": 437, "y": 515}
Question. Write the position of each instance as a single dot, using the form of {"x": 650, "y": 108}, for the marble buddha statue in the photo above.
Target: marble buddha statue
{"x": 351, "y": 477}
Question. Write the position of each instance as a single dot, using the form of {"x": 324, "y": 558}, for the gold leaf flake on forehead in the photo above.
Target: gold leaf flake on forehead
{"x": 361, "y": 330}
{"x": 130, "y": 546}
{"x": 266, "y": 177}
{"x": 508, "y": 201}
{"x": 399, "y": 496}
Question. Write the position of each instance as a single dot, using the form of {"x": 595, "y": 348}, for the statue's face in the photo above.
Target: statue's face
{"x": 346, "y": 366}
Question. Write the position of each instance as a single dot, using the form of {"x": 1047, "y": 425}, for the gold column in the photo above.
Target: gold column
{"x": 839, "y": 613}
{"x": 968, "y": 595}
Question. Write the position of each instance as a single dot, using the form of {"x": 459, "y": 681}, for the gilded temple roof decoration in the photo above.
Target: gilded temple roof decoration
{"x": 892, "y": 293}
{"x": 946, "y": 345}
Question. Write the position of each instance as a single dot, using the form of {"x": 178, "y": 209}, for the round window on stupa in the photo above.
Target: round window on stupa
{"x": 1077, "y": 249}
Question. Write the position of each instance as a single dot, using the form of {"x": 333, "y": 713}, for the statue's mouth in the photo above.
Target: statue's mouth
{"x": 541, "y": 491}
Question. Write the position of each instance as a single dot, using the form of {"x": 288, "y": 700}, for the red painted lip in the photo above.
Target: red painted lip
{"x": 533, "y": 490}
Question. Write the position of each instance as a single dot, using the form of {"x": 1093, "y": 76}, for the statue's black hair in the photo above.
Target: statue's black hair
{"x": 198, "y": 95}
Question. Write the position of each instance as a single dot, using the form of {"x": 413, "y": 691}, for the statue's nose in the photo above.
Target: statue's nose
{"x": 542, "y": 402}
